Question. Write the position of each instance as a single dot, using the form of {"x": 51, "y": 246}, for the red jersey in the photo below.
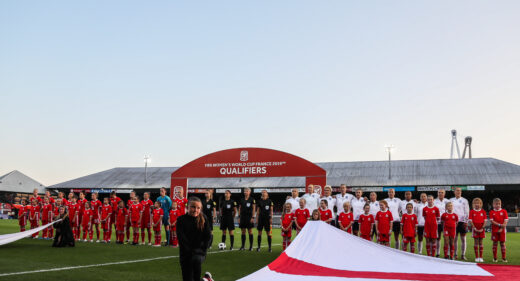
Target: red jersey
{"x": 302, "y": 215}
{"x": 121, "y": 214}
{"x": 409, "y": 221}
{"x": 450, "y": 220}
{"x": 115, "y": 202}
{"x": 345, "y": 218}
{"x": 325, "y": 214}
{"x": 156, "y": 215}
{"x": 106, "y": 211}
{"x": 38, "y": 199}
{"x": 57, "y": 211}
{"x": 174, "y": 215}
{"x": 147, "y": 204}
{"x": 181, "y": 204}
{"x": 86, "y": 217}
{"x": 34, "y": 213}
{"x": 365, "y": 223}
{"x": 135, "y": 211}
{"x": 477, "y": 218}
{"x": 64, "y": 202}
{"x": 383, "y": 221}
{"x": 47, "y": 212}
{"x": 96, "y": 208}
{"x": 431, "y": 215}
{"x": 23, "y": 212}
{"x": 287, "y": 219}
{"x": 498, "y": 216}
{"x": 81, "y": 204}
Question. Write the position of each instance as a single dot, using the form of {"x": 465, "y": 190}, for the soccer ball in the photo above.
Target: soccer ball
{"x": 221, "y": 246}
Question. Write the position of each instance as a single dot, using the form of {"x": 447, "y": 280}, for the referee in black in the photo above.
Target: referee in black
{"x": 247, "y": 210}
{"x": 228, "y": 211}
{"x": 193, "y": 233}
{"x": 209, "y": 209}
{"x": 265, "y": 218}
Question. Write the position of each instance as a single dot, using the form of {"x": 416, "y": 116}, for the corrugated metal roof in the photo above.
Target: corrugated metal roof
{"x": 16, "y": 181}
{"x": 476, "y": 171}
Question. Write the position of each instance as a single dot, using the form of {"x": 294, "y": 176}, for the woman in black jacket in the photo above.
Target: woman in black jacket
{"x": 63, "y": 236}
{"x": 193, "y": 232}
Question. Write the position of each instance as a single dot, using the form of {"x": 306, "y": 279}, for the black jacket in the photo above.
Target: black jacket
{"x": 192, "y": 241}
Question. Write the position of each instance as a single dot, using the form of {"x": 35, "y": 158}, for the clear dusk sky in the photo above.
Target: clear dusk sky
{"x": 91, "y": 85}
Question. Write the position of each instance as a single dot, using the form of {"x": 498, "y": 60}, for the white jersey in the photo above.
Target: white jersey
{"x": 374, "y": 208}
{"x": 418, "y": 211}
{"x": 311, "y": 201}
{"x": 461, "y": 208}
{"x": 441, "y": 205}
{"x": 357, "y": 207}
{"x": 394, "y": 205}
{"x": 295, "y": 203}
{"x": 403, "y": 206}
{"x": 341, "y": 199}
{"x": 331, "y": 202}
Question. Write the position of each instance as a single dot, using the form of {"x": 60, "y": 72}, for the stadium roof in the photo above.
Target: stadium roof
{"x": 16, "y": 181}
{"x": 476, "y": 171}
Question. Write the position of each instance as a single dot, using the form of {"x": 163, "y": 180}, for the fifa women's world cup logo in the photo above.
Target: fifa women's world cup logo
{"x": 317, "y": 189}
{"x": 243, "y": 155}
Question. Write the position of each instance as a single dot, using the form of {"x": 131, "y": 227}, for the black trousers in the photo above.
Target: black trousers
{"x": 191, "y": 267}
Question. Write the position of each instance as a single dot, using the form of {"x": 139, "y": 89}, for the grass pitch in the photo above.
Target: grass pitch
{"x": 88, "y": 261}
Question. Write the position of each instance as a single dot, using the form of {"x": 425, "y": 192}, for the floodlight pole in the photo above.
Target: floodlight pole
{"x": 146, "y": 158}
{"x": 389, "y": 150}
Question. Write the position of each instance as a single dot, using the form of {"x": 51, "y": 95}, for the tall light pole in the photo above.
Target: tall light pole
{"x": 389, "y": 148}
{"x": 146, "y": 161}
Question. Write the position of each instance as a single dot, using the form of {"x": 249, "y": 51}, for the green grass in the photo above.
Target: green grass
{"x": 29, "y": 254}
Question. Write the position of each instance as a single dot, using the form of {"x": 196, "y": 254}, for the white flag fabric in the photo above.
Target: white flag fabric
{"x": 322, "y": 252}
{"x": 8, "y": 238}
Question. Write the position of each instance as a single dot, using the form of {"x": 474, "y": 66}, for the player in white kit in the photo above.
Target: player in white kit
{"x": 394, "y": 205}
{"x": 374, "y": 208}
{"x": 311, "y": 199}
{"x": 331, "y": 201}
{"x": 440, "y": 203}
{"x": 420, "y": 220}
{"x": 461, "y": 208}
{"x": 341, "y": 198}
{"x": 357, "y": 203}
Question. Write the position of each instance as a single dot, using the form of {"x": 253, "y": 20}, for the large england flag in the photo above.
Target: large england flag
{"x": 324, "y": 253}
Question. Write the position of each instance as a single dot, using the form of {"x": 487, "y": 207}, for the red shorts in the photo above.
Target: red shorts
{"x": 34, "y": 223}
{"x": 366, "y": 237}
{"x": 106, "y": 225}
{"x": 22, "y": 221}
{"x": 135, "y": 223}
{"x": 145, "y": 222}
{"x": 450, "y": 231}
{"x": 120, "y": 226}
{"x": 383, "y": 237}
{"x": 479, "y": 234}
{"x": 44, "y": 222}
{"x": 95, "y": 220}
{"x": 84, "y": 226}
{"x": 430, "y": 231}
{"x": 113, "y": 217}
{"x": 498, "y": 236}
{"x": 410, "y": 239}
{"x": 287, "y": 233}
{"x": 157, "y": 228}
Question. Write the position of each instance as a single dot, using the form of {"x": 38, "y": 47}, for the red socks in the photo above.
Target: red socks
{"x": 412, "y": 248}
{"x": 503, "y": 248}
{"x": 494, "y": 251}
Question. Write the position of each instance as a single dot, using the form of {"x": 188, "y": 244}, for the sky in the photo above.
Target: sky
{"x": 86, "y": 86}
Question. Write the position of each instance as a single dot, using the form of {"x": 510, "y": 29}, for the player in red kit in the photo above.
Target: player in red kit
{"x": 145, "y": 220}
{"x": 325, "y": 212}
{"x": 135, "y": 214}
{"x": 499, "y": 219}
{"x": 181, "y": 200}
{"x": 346, "y": 218}
{"x": 431, "y": 213}
{"x": 34, "y": 216}
{"x": 121, "y": 219}
{"x": 106, "y": 215}
{"x": 477, "y": 220}
{"x": 366, "y": 223}
{"x": 301, "y": 215}
{"x": 23, "y": 213}
{"x": 409, "y": 228}
{"x": 114, "y": 201}
{"x": 64, "y": 201}
{"x": 383, "y": 221}
{"x": 74, "y": 218}
{"x": 129, "y": 203}
{"x": 47, "y": 214}
{"x": 95, "y": 205}
{"x": 86, "y": 222}
{"x": 157, "y": 216}
{"x": 175, "y": 212}
{"x": 449, "y": 220}
{"x": 81, "y": 205}
{"x": 287, "y": 222}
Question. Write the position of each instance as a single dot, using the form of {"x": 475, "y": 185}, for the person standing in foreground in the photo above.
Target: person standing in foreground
{"x": 461, "y": 208}
{"x": 265, "y": 219}
{"x": 166, "y": 204}
{"x": 228, "y": 211}
{"x": 210, "y": 211}
{"x": 499, "y": 219}
{"x": 194, "y": 233}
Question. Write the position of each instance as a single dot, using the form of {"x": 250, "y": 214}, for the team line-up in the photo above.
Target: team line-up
{"x": 427, "y": 218}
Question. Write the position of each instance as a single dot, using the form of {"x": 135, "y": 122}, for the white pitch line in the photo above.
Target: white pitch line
{"x": 106, "y": 264}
